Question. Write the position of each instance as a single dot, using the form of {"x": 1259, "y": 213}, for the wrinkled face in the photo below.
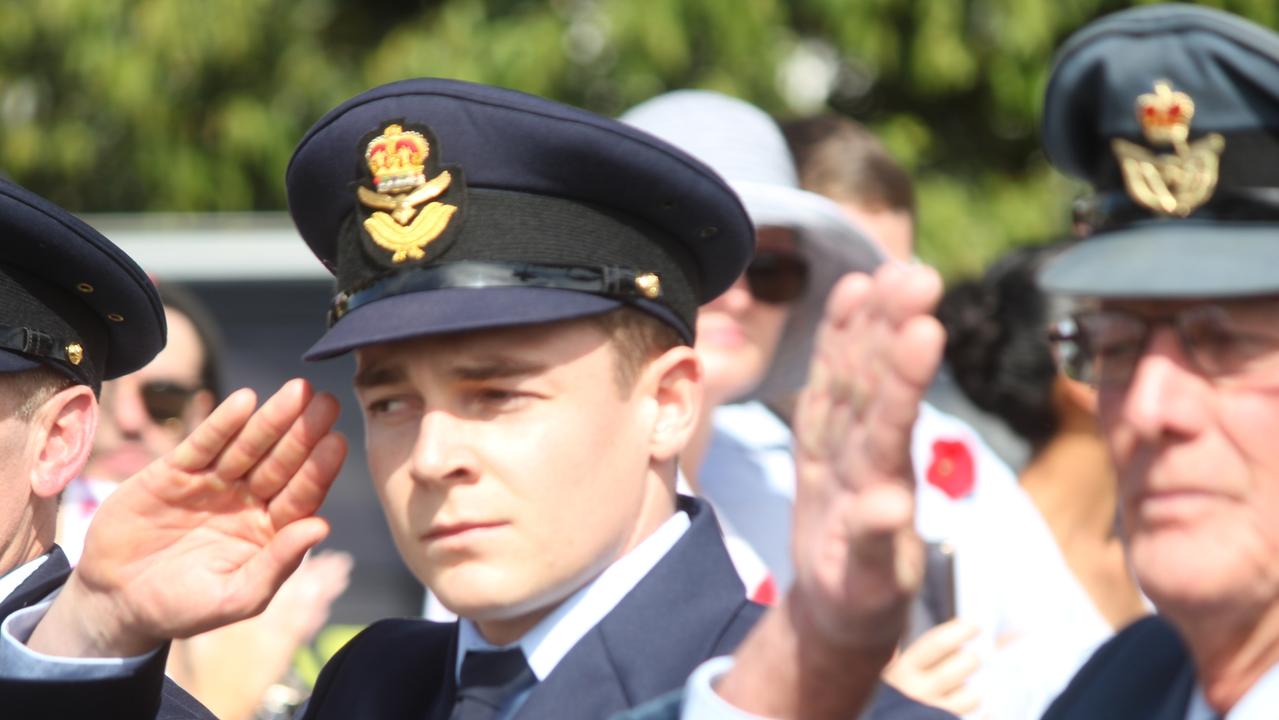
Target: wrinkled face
{"x": 737, "y": 334}
{"x": 16, "y": 495}
{"x": 1198, "y": 466}
{"x": 509, "y": 465}
{"x": 147, "y": 413}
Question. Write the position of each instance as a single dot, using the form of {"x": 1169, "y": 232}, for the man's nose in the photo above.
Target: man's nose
{"x": 1164, "y": 395}
{"x": 442, "y": 453}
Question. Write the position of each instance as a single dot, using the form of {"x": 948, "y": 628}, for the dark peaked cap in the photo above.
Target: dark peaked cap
{"x": 70, "y": 300}
{"x": 1212, "y": 76}
{"x": 537, "y": 212}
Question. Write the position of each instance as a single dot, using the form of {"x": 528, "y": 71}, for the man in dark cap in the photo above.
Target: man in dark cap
{"x": 74, "y": 311}
{"x": 518, "y": 281}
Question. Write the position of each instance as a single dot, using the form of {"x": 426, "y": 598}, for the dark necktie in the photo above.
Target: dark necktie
{"x": 489, "y": 680}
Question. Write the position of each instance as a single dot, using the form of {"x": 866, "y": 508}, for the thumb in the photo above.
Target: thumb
{"x": 267, "y": 570}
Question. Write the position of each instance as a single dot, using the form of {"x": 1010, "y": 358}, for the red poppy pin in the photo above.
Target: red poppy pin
{"x": 952, "y": 468}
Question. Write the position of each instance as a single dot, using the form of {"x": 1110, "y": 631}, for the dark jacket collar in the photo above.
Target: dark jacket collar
{"x": 50, "y": 576}
{"x": 691, "y": 606}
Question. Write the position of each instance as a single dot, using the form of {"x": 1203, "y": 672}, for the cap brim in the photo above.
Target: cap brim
{"x": 1170, "y": 259}
{"x": 401, "y": 317}
{"x": 12, "y": 362}
{"x": 834, "y": 246}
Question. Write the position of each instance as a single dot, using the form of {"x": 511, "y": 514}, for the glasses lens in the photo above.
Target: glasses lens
{"x": 1223, "y": 346}
{"x": 1069, "y": 350}
{"x": 777, "y": 277}
{"x": 166, "y": 401}
{"x": 1110, "y": 343}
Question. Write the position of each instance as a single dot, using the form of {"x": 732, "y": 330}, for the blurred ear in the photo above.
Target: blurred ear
{"x": 1078, "y": 396}
{"x": 672, "y": 383}
{"x": 62, "y": 438}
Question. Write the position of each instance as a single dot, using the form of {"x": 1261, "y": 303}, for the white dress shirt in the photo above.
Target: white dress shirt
{"x": 15, "y": 577}
{"x": 1259, "y": 703}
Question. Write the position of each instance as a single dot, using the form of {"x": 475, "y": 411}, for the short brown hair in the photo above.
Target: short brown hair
{"x": 637, "y": 338}
{"x": 841, "y": 159}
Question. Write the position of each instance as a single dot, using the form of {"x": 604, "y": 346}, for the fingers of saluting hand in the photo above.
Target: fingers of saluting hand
{"x": 285, "y": 449}
{"x": 264, "y": 430}
{"x": 288, "y": 453}
{"x": 206, "y": 442}
{"x": 309, "y": 484}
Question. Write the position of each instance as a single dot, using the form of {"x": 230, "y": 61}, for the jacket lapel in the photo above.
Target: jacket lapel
{"x": 1176, "y": 700}
{"x": 50, "y": 576}
{"x": 691, "y": 606}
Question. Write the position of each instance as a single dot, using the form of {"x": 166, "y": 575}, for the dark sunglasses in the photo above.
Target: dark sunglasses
{"x": 165, "y": 401}
{"x": 777, "y": 276}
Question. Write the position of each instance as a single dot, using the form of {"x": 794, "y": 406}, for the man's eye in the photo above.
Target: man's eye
{"x": 383, "y": 406}
{"x": 496, "y": 395}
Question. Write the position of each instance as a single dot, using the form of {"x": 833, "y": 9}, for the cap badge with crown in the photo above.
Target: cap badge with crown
{"x": 1169, "y": 184}
{"x": 397, "y": 161}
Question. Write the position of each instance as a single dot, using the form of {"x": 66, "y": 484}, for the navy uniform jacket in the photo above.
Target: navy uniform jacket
{"x": 689, "y": 608}
{"x": 1143, "y": 673}
{"x": 147, "y": 694}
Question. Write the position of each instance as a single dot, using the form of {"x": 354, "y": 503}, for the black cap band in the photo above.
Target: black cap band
{"x": 608, "y": 281}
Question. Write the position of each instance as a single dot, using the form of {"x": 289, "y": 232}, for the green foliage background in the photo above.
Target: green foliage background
{"x": 130, "y": 105}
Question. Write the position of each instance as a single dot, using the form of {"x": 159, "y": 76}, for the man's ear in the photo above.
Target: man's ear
{"x": 673, "y": 383}
{"x": 62, "y": 436}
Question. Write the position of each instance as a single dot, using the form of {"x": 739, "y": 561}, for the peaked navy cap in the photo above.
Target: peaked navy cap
{"x": 1194, "y": 218}
{"x": 70, "y": 300}
{"x": 532, "y": 212}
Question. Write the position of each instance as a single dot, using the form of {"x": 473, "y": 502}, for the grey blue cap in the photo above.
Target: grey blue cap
{"x": 1171, "y": 113}
{"x": 444, "y": 206}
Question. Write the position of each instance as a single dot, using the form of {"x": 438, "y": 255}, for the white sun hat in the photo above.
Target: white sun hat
{"x": 744, "y": 145}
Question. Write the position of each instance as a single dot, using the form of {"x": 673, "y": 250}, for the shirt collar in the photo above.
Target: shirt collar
{"x": 1258, "y": 703}
{"x": 752, "y": 422}
{"x": 15, "y": 577}
{"x": 552, "y": 638}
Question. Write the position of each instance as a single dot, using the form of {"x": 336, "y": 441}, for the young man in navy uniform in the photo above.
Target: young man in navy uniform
{"x": 518, "y": 281}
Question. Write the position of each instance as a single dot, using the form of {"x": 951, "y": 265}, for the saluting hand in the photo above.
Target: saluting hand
{"x": 858, "y": 559}
{"x": 205, "y": 535}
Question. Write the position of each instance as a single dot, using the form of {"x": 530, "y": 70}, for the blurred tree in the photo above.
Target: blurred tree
{"x": 112, "y": 105}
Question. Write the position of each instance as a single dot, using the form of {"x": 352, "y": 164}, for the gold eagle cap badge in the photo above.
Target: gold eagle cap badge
{"x": 1176, "y": 184}
{"x": 406, "y": 215}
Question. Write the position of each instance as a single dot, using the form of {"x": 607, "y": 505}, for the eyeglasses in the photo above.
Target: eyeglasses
{"x": 777, "y": 276}
{"x": 166, "y": 401}
{"x": 1103, "y": 347}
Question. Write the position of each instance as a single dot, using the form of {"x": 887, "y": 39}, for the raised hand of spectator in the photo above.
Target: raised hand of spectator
{"x": 205, "y": 535}
{"x": 857, "y": 557}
